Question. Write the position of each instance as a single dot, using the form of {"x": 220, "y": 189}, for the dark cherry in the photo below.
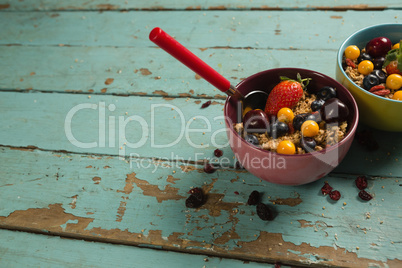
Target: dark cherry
{"x": 378, "y": 63}
{"x": 254, "y": 198}
{"x": 334, "y": 110}
{"x": 298, "y": 120}
{"x": 326, "y": 93}
{"x": 252, "y": 139}
{"x": 378, "y": 46}
{"x": 382, "y": 76}
{"x": 364, "y": 56}
{"x": 326, "y": 189}
{"x": 256, "y": 121}
{"x": 308, "y": 144}
{"x": 278, "y": 129}
{"x": 317, "y": 104}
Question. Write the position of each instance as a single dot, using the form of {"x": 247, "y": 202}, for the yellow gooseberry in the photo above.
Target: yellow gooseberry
{"x": 397, "y": 95}
{"x": 286, "y": 147}
{"x": 397, "y": 45}
{"x": 310, "y": 128}
{"x": 352, "y": 52}
{"x": 394, "y": 81}
{"x": 365, "y": 67}
{"x": 285, "y": 115}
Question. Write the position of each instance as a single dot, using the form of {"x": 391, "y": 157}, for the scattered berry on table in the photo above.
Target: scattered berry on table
{"x": 365, "y": 195}
{"x": 254, "y": 198}
{"x": 264, "y": 212}
{"x": 361, "y": 182}
{"x": 326, "y": 189}
{"x": 218, "y": 152}
{"x": 286, "y": 147}
{"x": 335, "y": 195}
{"x": 205, "y": 104}
{"x": 195, "y": 190}
{"x": 209, "y": 168}
{"x": 196, "y": 199}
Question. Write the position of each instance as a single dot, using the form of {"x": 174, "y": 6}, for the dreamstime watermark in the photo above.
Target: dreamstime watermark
{"x": 160, "y": 130}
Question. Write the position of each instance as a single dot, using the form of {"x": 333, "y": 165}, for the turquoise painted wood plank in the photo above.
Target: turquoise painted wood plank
{"x": 140, "y": 71}
{"x": 52, "y": 251}
{"x": 142, "y": 203}
{"x": 238, "y": 29}
{"x": 159, "y": 127}
{"x": 160, "y": 5}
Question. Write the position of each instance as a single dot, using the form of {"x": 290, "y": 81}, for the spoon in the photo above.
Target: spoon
{"x": 253, "y": 100}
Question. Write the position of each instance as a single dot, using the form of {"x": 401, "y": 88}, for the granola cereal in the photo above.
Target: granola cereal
{"x": 328, "y": 134}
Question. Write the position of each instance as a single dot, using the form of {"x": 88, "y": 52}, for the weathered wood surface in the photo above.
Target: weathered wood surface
{"x": 60, "y": 252}
{"x": 114, "y": 45}
{"x": 141, "y": 202}
{"x": 57, "y": 56}
{"x": 196, "y": 5}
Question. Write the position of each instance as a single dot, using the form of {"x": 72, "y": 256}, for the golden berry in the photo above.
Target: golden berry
{"x": 310, "y": 128}
{"x": 285, "y": 115}
{"x": 365, "y": 67}
{"x": 352, "y": 52}
{"x": 286, "y": 147}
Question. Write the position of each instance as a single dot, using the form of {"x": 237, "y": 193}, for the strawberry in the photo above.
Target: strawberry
{"x": 393, "y": 61}
{"x": 285, "y": 94}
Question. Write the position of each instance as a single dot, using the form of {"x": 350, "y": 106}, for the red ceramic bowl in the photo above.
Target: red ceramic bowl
{"x": 289, "y": 169}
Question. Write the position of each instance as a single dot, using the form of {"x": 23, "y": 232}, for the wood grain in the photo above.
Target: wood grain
{"x": 107, "y": 199}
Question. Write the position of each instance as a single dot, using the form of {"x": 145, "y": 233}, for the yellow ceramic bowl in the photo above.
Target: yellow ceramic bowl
{"x": 375, "y": 111}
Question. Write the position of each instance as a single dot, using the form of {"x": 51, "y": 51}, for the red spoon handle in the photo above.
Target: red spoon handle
{"x": 185, "y": 56}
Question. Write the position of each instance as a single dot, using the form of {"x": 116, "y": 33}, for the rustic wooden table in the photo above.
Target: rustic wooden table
{"x": 97, "y": 153}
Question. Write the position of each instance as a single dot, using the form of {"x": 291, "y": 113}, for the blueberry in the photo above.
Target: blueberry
{"x": 298, "y": 120}
{"x": 316, "y": 105}
{"x": 370, "y": 80}
{"x": 252, "y": 139}
{"x": 279, "y": 129}
{"x": 314, "y": 116}
{"x": 364, "y": 56}
{"x": 326, "y": 93}
{"x": 382, "y": 77}
{"x": 378, "y": 62}
{"x": 308, "y": 144}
